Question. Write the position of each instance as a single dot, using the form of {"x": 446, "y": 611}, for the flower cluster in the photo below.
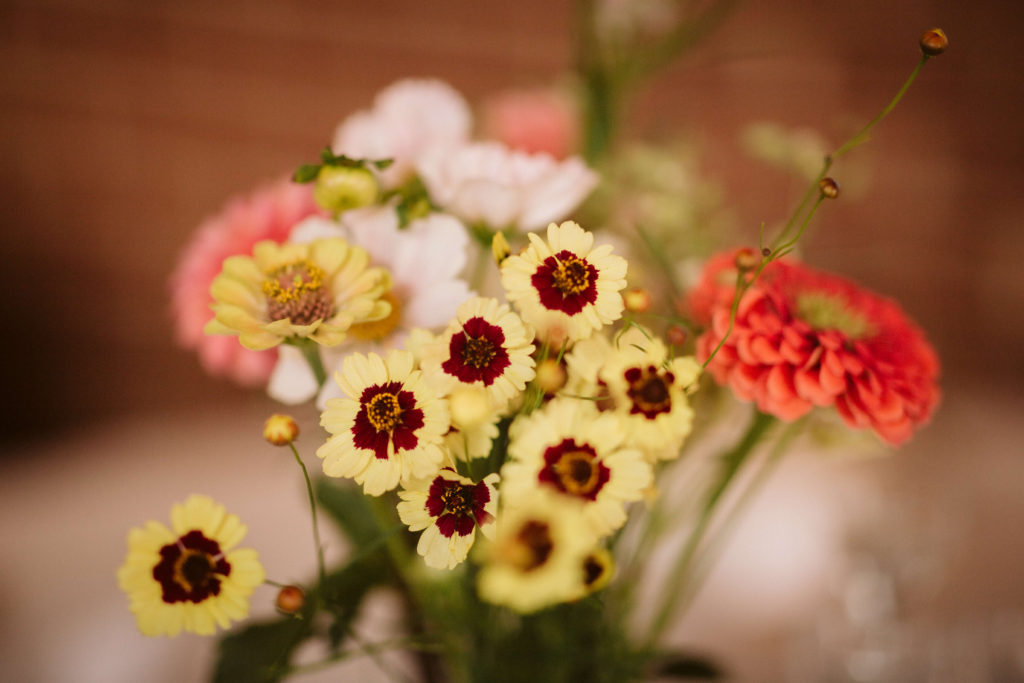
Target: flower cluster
{"x": 535, "y": 403}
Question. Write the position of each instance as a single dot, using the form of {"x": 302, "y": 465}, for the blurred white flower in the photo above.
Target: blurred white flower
{"x": 408, "y": 118}
{"x": 486, "y": 182}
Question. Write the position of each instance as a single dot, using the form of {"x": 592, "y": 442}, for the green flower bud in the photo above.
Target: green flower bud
{"x": 340, "y": 188}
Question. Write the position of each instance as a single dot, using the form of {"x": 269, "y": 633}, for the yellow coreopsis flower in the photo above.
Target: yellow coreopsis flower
{"x": 311, "y": 291}
{"x": 190, "y": 577}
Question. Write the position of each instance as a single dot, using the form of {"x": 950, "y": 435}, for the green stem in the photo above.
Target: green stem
{"x": 311, "y": 352}
{"x": 734, "y": 514}
{"x": 730, "y": 464}
{"x": 316, "y": 525}
{"x": 858, "y": 139}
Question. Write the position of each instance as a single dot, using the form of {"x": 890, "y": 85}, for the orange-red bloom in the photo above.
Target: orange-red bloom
{"x": 804, "y": 338}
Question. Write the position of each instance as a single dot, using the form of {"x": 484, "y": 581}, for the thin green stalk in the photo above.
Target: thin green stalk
{"x": 859, "y": 138}
{"x": 316, "y": 526}
{"x": 717, "y": 539}
{"x": 311, "y": 352}
{"x": 730, "y": 463}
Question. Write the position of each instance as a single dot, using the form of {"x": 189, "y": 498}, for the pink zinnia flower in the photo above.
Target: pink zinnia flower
{"x": 804, "y": 338}
{"x": 269, "y": 213}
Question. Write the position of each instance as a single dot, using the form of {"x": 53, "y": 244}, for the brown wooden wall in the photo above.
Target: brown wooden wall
{"x": 123, "y": 123}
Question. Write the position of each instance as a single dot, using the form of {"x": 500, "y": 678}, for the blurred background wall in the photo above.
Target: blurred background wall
{"x": 125, "y": 123}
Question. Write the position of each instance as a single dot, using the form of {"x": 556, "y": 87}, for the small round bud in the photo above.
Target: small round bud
{"x": 340, "y": 188}
{"x": 500, "y": 248}
{"x": 745, "y": 259}
{"x": 829, "y": 188}
{"x": 637, "y": 300}
{"x": 550, "y": 375}
{"x": 766, "y": 252}
{"x": 934, "y": 42}
{"x": 677, "y": 335}
{"x": 469, "y": 407}
{"x": 290, "y": 599}
{"x": 280, "y": 430}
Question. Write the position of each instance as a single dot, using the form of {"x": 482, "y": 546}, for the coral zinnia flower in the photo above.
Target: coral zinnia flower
{"x": 448, "y": 508}
{"x": 563, "y": 287}
{"x": 269, "y": 213}
{"x": 487, "y": 345}
{"x": 804, "y": 338}
{"x": 569, "y": 448}
{"x": 314, "y": 291}
{"x": 390, "y": 426}
{"x": 190, "y": 577}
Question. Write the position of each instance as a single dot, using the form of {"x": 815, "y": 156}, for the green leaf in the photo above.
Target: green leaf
{"x": 306, "y": 173}
{"x": 344, "y": 591}
{"x": 259, "y": 653}
{"x": 348, "y": 506}
{"x": 381, "y": 164}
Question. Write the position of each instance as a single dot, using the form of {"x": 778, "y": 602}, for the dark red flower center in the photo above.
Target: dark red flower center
{"x": 477, "y": 354}
{"x": 533, "y": 546}
{"x": 296, "y": 291}
{"x": 565, "y": 283}
{"x": 457, "y": 507}
{"x": 574, "y": 469}
{"x": 387, "y": 414}
{"x": 650, "y": 390}
{"x": 190, "y": 569}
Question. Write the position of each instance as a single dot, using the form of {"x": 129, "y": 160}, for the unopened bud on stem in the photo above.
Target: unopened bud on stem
{"x": 934, "y": 42}
{"x": 746, "y": 259}
{"x": 290, "y": 599}
{"x": 829, "y": 188}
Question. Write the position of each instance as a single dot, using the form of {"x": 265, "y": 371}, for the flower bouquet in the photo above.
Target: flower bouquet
{"x": 512, "y": 350}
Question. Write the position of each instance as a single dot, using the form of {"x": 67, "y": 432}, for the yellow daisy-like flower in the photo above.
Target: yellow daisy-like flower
{"x": 571, "y": 449}
{"x": 314, "y": 291}
{"x": 564, "y": 287}
{"x": 390, "y": 427}
{"x": 636, "y": 381}
{"x": 536, "y": 557}
{"x": 190, "y": 577}
{"x": 487, "y": 345}
{"x": 448, "y": 509}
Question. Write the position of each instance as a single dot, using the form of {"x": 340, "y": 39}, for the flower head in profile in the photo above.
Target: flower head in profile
{"x": 634, "y": 379}
{"x": 408, "y": 119}
{"x": 804, "y": 338}
{"x": 190, "y": 577}
{"x": 488, "y": 183}
{"x": 488, "y": 346}
{"x": 310, "y": 291}
{"x": 572, "y": 450}
{"x": 448, "y": 509}
{"x": 388, "y": 428}
{"x": 537, "y": 554}
{"x": 565, "y": 287}
{"x": 268, "y": 213}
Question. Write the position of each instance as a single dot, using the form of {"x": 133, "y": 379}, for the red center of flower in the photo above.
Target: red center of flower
{"x": 477, "y": 354}
{"x": 649, "y": 389}
{"x": 574, "y": 469}
{"x": 533, "y": 546}
{"x": 387, "y": 414}
{"x": 190, "y": 569}
{"x": 565, "y": 283}
{"x": 457, "y": 507}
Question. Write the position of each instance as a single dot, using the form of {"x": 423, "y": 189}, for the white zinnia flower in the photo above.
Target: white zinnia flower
{"x": 489, "y": 183}
{"x": 408, "y": 118}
